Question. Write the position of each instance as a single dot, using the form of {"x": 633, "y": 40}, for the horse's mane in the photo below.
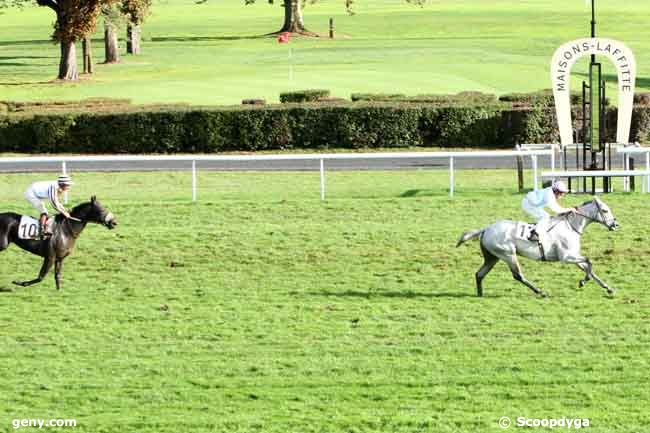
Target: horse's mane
{"x": 587, "y": 202}
{"x": 566, "y": 215}
{"x": 78, "y": 207}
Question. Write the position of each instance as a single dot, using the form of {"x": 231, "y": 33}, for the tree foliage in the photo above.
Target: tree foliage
{"x": 75, "y": 18}
{"x": 135, "y": 10}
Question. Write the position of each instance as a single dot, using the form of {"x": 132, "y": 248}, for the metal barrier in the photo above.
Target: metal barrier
{"x": 626, "y": 151}
{"x": 321, "y": 158}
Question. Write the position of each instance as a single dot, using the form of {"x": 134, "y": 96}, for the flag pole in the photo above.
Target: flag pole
{"x": 290, "y": 65}
{"x": 593, "y": 26}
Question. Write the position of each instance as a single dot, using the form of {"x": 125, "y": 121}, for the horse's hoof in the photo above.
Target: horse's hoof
{"x": 611, "y": 292}
{"x": 543, "y": 294}
{"x": 19, "y": 283}
{"x": 582, "y": 283}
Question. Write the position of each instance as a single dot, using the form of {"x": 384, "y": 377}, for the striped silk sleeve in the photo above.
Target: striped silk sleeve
{"x": 54, "y": 199}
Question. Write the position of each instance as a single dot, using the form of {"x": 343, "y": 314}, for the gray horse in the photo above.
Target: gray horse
{"x": 61, "y": 243}
{"x": 503, "y": 240}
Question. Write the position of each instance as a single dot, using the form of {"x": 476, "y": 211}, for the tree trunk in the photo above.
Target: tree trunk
{"x": 293, "y": 19}
{"x": 88, "y": 55}
{"x": 111, "y": 50}
{"x": 68, "y": 62}
{"x": 133, "y": 39}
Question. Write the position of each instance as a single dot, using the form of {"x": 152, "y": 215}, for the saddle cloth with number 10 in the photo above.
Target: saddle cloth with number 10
{"x": 28, "y": 227}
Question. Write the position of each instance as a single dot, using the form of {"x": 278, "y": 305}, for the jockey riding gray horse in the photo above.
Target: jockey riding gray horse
{"x": 504, "y": 240}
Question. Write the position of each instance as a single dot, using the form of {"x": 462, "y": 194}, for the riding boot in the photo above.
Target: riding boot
{"x": 534, "y": 237}
{"x": 41, "y": 226}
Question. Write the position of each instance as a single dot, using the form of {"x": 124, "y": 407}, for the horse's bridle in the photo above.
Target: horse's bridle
{"x": 600, "y": 214}
{"x": 107, "y": 219}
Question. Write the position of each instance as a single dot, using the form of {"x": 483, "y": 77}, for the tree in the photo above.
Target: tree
{"x": 135, "y": 12}
{"x": 75, "y": 19}
{"x": 293, "y": 17}
{"x": 112, "y": 21}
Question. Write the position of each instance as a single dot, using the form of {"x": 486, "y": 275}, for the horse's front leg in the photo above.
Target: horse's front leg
{"x": 587, "y": 277}
{"x": 47, "y": 265}
{"x": 58, "y": 267}
{"x": 585, "y": 264}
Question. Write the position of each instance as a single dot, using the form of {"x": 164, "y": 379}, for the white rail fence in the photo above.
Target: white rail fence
{"x": 321, "y": 159}
{"x": 627, "y": 172}
{"x": 627, "y": 151}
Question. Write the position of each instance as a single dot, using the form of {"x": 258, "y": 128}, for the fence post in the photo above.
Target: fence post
{"x": 626, "y": 166}
{"x": 520, "y": 170}
{"x": 520, "y": 174}
{"x": 451, "y": 176}
{"x": 194, "y": 180}
{"x": 322, "y": 180}
{"x": 647, "y": 167}
{"x": 64, "y": 171}
{"x": 534, "y": 157}
{"x": 552, "y": 157}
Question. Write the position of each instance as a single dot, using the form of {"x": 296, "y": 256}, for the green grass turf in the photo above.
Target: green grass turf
{"x": 203, "y": 54}
{"x": 262, "y": 309}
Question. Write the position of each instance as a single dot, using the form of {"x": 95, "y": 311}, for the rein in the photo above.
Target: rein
{"x": 584, "y": 216}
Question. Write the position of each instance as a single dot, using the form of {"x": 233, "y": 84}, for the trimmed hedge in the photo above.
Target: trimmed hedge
{"x": 642, "y": 98}
{"x": 374, "y": 97}
{"x": 460, "y": 99}
{"x": 542, "y": 98}
{"x": 304, "y": 96}
{"x": 289, "y": 126}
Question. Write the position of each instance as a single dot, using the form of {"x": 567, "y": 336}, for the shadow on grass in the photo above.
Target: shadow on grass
{"x": 35, "y": 42}
{"x": 26, "y": 57}
{"x": 27, "y": 83}
{"x": 423, "y": 193}
{"x": 206, "y": 38}
{"x": 6, "y": 61}
{"x": 15, "y": 65}
{"x": 407, "y": 294}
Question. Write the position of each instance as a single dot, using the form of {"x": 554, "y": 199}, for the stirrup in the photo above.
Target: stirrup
{"x": 43, "y": 234}
{"x": 541, "y": 250}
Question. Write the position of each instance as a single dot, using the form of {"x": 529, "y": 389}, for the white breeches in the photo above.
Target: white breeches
{"x": 37, "y": 203}
{"x": 538, "y": 213}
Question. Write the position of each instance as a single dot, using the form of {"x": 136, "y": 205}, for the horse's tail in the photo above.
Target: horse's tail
{"x": 472, "y": 234}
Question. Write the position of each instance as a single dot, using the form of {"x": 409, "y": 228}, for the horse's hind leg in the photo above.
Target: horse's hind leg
{"x": 513, "y": 264}
{"x": 47, "y": 265}
{"x": 489, "y": 260}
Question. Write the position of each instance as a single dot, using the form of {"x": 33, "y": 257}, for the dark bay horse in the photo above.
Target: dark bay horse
{"x": 64, "y": 235}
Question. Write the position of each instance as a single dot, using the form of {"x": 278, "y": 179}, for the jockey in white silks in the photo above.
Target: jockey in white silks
{"x": 50, "y": 191}
{"x": 535, "y": 201}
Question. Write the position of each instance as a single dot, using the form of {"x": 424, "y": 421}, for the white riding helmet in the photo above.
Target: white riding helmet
{"x": 560, "y": 186}
{"x": 64, "y": 179}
